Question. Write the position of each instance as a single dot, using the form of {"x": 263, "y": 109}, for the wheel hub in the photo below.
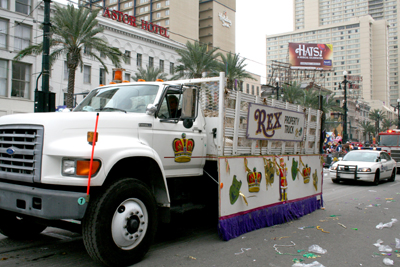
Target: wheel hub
{"x": 129, "y": 224}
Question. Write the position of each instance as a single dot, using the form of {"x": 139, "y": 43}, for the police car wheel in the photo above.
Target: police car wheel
{"x": 393, "y": 176}
{"x": 376, "y": 179}
{"x": 120, "y": 224}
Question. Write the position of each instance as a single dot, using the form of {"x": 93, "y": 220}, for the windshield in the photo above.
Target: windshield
{"x": 388, "y": 140}
{"x": 125, "y": 98}
{"x": 361, "y": 156}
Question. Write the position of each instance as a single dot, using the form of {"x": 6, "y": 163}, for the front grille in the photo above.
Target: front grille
{"x": 21, "y": 152}
{"x": 395, "y": 155}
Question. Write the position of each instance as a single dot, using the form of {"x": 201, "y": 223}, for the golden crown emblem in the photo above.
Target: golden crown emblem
{"x": 183, "y": 149}
{"x": 254, "y": 180}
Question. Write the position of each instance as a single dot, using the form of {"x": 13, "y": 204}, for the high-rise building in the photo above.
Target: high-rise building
{"x": 359, "y": 47}
{"x": 313, "y": 14}
{"x": 208, "y": 21}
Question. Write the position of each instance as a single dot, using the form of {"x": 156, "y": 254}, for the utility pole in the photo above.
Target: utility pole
{"x": 45, "y": 100}
{"x": 345, "y": 82}
{"x": 322, "y": 137}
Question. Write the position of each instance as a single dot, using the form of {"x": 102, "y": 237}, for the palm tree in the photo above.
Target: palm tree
{"x": 196, "y": 59}
{"x": 367, "y": 128}
{"x": 293, "y": 93}
{"x": 149, "y": 74}
{"x": 377, "y": 116}
{"x": 386, "y": 124}
{"x": 233, "y": 67}
{"x": 74, "y": 33}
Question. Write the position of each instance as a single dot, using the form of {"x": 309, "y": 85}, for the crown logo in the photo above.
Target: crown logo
{"x": 183, "y": 149}
{"x": 254, "y": 180}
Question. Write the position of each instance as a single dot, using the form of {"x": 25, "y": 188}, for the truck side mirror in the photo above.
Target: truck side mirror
{"x": 189, "y": 102}
{"x": 151, "y": 109}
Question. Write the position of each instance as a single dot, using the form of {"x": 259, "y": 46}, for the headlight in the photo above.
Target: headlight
{"x": 364, "y": 169}
{"x": 79, "y": 167}
{"x": 334, "y": 167}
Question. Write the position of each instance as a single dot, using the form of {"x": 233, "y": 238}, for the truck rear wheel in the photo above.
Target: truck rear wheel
{"x": 19, "y": 227}
{"x": 120, "y": 224}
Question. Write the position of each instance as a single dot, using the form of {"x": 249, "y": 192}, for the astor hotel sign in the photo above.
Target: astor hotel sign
{"x": 131, "y": 20}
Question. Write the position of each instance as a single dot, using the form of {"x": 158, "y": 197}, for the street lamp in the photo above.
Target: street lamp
{"x": 379, "y": 117}
{"x": 398, "y": 112}
{"x": 345, "y": 82}
{"x": 277, "y": 88}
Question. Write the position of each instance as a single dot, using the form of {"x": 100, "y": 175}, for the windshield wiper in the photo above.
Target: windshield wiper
{"x": 105, "y": 108}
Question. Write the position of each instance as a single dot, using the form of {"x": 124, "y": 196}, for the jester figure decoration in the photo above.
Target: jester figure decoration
{"x": 282, "y": 172}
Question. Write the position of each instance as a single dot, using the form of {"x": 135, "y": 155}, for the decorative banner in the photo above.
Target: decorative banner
{"x": 310, "y": 56}
{"x": 271, "y": 123}
{"x": 292, "y": 187}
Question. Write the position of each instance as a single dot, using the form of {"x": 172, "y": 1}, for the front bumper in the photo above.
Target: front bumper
{"x": 360, "y": 176}
{"x": 43, "y": 203}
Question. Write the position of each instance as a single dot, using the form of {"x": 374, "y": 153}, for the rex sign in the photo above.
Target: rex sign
{"x": 310, "y": 56}
{"x": 131, "y": 20}
{"x": 271, "y": 123}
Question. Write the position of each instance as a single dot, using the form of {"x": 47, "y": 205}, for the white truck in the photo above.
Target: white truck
{"x": 257, "y": 158}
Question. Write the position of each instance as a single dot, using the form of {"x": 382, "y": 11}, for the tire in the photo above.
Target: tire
{"x": 17, "y": 227}
{"x": 393, "y": 176}
{"x": 336, "y": 181}
{"x": 120, "y": 224}
{"x": 376, "y": 178}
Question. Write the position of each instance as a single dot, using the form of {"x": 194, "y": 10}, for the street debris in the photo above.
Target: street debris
{"x": 387, "y": 261}
{"x": 397, "y": 243}
{"x": 313, "y": 264}
{"x": 322, "y": 230}
{"x": 342, "y": 225}
{"x": 317, "y": 249}
{"x": 388, "y": 225}
{"x": 378, "y": 243}
{"x": 276, "y": 245}
{"x": 243, "y": 250}
{"x": 192, "y": 258}
{"x": 385, "y": 248}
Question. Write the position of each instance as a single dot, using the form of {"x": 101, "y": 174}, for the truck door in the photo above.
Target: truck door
{"x": 180, "y": 146}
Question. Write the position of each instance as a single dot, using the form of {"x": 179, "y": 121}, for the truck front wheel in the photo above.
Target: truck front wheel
{"x": 120, "y": 224}
{"x": 19, "y": 227}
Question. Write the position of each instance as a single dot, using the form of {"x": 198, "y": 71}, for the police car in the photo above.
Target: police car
{"x": 364, "y": 164}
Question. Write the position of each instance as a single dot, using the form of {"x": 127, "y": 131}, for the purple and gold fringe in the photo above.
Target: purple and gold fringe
{"x": 233, "y": 226}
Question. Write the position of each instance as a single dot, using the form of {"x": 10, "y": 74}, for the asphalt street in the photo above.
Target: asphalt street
{"x": 346, "y": 228}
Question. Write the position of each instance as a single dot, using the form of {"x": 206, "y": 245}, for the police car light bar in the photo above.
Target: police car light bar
{"x": 368, "y": 148}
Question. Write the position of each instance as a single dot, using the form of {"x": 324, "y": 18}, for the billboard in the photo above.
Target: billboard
{"x": 310, "y": 56}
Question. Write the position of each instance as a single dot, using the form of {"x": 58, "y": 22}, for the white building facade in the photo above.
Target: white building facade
{"x": 19, "y": 27}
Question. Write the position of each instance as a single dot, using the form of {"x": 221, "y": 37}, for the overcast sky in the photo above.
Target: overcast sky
{"x": 254, "y": 20}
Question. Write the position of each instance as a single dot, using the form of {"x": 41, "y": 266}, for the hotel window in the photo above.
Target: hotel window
{"x": 102, "y": 76}
{"x": 127, "y": 77}
{"x": 151, "y": 61}
{"x": 171, "y": 68}
{"x": 4, "y": 4}
{"x": 158, "y": 5}
{"x": 158, "y": 15}
{"x": 22, "y": 37}
{"x": 3, "y": 33}
{"x": 127, "y": 57}
{"x": 161, "y": 65}
{"x": 167, "y": 22}
{"x": 167, "y": 3}
{"x": 86, "y": 73}
{"x": 252, "y": 89}
{"x": 167, "y": 12}
{"x": 65, "y": 70}
{"x": 146, "y": 18}
{"x": 143, "y": 1}
{"x": 139, "y": 60}
{"x": 21, "y": 74}
{"x": 258, "y": 90}
{"x": 86, "y": 50}
{"x": 3, "y": 77}
{"x": 247, "y": 88}
{"x": 127, "y": 5}
{"x": 23, "y": 6}
{"x": 113, "y": 1}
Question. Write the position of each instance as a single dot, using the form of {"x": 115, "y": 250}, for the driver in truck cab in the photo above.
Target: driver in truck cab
{"x": 173, "y": 102}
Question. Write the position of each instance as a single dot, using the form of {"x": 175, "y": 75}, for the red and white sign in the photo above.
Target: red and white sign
{"x": 131, "y": 20}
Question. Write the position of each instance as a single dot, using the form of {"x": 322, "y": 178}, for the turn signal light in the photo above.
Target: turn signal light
{"x": 141, "y": 80}
{"x": 83, "y": 167}
{"x": 90, "y": 137}
{"x": 159, "y": 80}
